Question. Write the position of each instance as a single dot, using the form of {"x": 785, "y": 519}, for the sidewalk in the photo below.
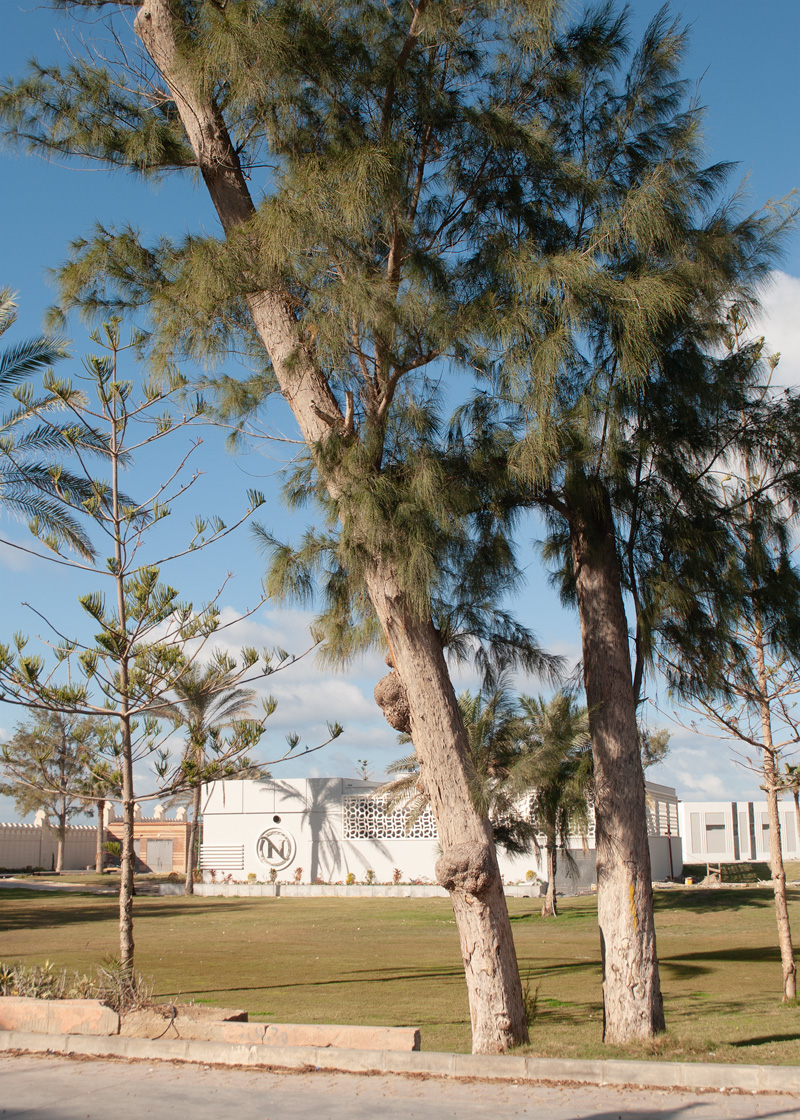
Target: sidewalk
{"x": 699, "y": 1076}
{"x": 57, "y": 1088}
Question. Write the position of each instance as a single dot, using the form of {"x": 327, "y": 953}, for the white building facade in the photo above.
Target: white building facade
{"x": 326, "y": 829}
{"x": 734, "y": 831}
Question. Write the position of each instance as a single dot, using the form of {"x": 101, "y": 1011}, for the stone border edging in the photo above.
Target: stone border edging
{"x": 333, "y": 890}
{"x": 651, "y": 1075}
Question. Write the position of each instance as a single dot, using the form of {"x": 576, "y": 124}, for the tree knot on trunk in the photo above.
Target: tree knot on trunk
{"x": 390, "y": 696}
{"x": 465, "y": 867}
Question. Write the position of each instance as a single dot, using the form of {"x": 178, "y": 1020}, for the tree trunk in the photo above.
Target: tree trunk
{"x": 469, "y": 864}
{"x": 632, "y": 1003}
{"x": 775, "y": 844}
{"x": 191, "y": 847}
{"x": 418, "y": 697}
{"x": 779, "y": 881}
{"x": 771, "y": 784}
{"x": 127, "y": 864}
{"x": 99, "y": 857}
{"x": 550, "y": 906}
{"x": 61, "y": 836}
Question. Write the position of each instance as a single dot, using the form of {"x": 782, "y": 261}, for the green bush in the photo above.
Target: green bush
{"x": 112, "y": 984}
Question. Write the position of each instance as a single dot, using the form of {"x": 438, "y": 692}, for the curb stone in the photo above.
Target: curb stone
{"x": 651, "y": 1075}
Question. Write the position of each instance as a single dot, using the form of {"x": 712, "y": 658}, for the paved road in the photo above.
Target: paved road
{"x": 34, "y": 1087}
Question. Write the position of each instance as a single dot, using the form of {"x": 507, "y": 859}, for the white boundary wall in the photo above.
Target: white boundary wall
{"x": 327, "y": 828}
{"x": 35, "y": 845}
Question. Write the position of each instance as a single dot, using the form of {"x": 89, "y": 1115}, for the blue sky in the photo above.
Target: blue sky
{"x": 745, "y": 74}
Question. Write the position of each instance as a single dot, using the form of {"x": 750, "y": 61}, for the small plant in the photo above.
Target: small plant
{"x": 351, "y": 878}
{"x": 120, "y": 988}
{"x": 319, "y": 881}
{"x": 530, "y": 1000}
{"x": 397, "y": 875}
{"x": 369, "y": 878}
{"x": 273, "y": 874}
{"x": 115, "y": 986}
{"x": 197, "y": 875}
{"x": 36, "y": 981}
{"x": 252, "y": 877}
{"x": 530, "y": 875}
{"x": 298, "y": 875}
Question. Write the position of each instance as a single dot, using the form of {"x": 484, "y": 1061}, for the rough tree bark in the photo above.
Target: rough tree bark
{"x": 468, "y": 868}
{"x": 550, "y": 905}
{"x": 632, "y": 1003}
{"x": 191, "y": 845}
{"x": 61, "y": 826}
{"x": 99, "y": 855}
{"x": 417, "y": 697}
{"x": 771, "y": 784}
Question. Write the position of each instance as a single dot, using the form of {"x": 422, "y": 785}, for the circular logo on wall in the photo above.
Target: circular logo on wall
{"x": 276, "y": 848}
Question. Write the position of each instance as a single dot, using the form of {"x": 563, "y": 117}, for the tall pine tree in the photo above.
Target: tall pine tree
{"x": 616, "y": 401}
{"x": 354, "y": 156}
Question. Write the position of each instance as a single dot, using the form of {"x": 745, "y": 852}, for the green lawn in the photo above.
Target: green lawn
{"x": 396, "y": 962}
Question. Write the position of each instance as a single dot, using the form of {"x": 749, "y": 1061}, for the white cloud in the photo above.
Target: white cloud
{"x": 15, "y": 559}
{"x": 696, "y": 786}
{"x": 780, "y": 324}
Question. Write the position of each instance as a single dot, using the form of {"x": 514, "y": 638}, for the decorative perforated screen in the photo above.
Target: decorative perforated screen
{"x": 366, "y": 818}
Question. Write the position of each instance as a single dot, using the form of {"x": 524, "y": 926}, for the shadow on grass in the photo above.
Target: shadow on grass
{"x": 62, "y": 909}
{"x": 717, "y": 898}
{"x": 737, "y": 954}
{"x": 762, "y": 1040}
{"x": 688, "y": 966}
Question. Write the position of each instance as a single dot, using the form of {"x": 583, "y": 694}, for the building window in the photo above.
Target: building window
{"x": 716, "y": 840}
{"x": 694, "y": 829}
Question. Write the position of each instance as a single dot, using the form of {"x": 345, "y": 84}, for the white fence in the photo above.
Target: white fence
{"x": 35, "y": 845}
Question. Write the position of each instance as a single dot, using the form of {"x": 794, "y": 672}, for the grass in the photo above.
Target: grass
{"x": 397, "y": 962}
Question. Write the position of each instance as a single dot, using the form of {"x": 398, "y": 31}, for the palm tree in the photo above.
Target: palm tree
{"x": 31, "y": 480}
{"x": 491, "y": 721}
{"x": 554, "y": 768}
{"x": 206, "y": 702}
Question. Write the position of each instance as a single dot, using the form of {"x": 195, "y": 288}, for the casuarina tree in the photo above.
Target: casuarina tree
{"x": 607, "y": 369}
{"x": 354, "y": 156}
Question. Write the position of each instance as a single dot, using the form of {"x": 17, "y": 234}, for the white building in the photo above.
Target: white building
{"x": 732, "y": 831}
{"x": 327, "y": 828}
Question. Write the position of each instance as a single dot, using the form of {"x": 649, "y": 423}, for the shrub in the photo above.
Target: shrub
{"x": 298, "y": 874}
{"x": 350, "y": 878}
{"x": 369, "y": 878}
{"x": 397, "y": 875}
{"x": 112, "y": 984}
{"x": 251, "y": 878}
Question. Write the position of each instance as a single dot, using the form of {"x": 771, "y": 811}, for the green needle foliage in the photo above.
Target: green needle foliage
{"x": 147, "y": 641}
{"x": 618, "y": 408}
